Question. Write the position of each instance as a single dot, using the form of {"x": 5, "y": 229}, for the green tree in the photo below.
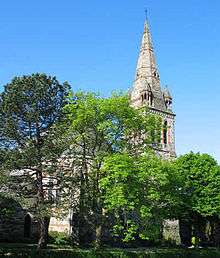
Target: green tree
{"x": 199, "y": 198}
{"x": 31, "y": 107}
{"x": 5, "y": 210}
{"x": 138, "y": 191}
{"x": 100, "y": 127}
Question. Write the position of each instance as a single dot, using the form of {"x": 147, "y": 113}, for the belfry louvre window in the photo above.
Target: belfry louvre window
{"x": 165, "y": 132}
{"x": 150, "y": 98}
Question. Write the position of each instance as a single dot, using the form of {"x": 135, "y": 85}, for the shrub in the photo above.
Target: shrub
{"x": 59, "y": 238}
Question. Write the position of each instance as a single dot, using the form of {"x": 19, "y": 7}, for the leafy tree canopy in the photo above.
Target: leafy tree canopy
{"x": 138, "y": 189}
{"x": 98, "y": 128}
{"x": 199, "y": 181}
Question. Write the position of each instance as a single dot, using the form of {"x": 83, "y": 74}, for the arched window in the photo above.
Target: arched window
{"x": 27, "y": 226}
{"x": 145, "y": 96}
{"x": 165, "y": 132}
{"x": 151, "y": 99}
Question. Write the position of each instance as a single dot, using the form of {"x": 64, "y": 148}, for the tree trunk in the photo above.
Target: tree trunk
{"x": 98, "y": 224}
{"x": 43, "y": 219}
{"x": 44, "y": 226}
{"x": 210, "y": 231}
{"x": 200, "y": 224}
{"x": 185, "y": 230}
{"x": 216, "y": 232}
{"x": 99, "y": 211}
{"x": 98, "y": 236}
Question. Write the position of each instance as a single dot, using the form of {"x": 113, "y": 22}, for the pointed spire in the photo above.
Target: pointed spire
{"x": 147, "y": 76}
{"x": 166, "y": 93}
{"x": 167, "y": 98}
{"x": 146, "y": 65}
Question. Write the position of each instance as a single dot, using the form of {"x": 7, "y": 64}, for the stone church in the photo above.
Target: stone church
{"x": 145, "y": 92}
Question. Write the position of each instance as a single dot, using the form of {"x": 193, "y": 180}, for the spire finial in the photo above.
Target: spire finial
{"x": 146, "y": 15}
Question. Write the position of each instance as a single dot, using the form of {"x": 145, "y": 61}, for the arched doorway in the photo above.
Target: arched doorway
{"x": 27, "y": 226}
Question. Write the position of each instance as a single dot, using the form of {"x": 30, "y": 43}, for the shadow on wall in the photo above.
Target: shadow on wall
{"x": 16, "y": 224}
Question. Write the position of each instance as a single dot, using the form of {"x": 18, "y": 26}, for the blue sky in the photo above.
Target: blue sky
{"x": 94, "y": 45}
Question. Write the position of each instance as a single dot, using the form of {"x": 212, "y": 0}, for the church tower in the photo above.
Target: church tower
{"x": 147, "y": 91}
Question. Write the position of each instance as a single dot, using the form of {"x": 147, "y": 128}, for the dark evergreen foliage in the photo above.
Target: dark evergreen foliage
{"x": 31, "y": 109}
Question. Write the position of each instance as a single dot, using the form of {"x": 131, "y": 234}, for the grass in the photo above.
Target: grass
{"x": 29, "y": 251}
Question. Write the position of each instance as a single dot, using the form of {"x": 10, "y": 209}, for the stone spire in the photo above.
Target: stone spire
{"x": 146, "y": 65}
{"x": 146, "y": 88}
